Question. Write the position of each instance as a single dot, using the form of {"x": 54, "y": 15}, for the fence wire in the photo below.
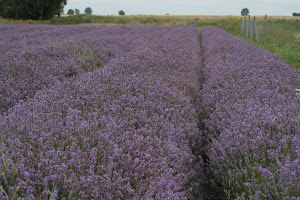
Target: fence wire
{"x": 259, "y": 30}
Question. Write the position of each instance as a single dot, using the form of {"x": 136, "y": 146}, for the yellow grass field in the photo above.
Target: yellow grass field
{"x": 165, "y": 19}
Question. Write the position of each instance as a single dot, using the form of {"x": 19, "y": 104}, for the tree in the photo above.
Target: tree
{"x": 70, "y": 12}
{"x": 245, "y": 12}
{"x": 60, "y": 11}
{"x": 296, "y": 14}
{"x": 88, "y": 11}
{"x": 77, "y": 12}
{"x": 121, "y": 12}
{"x": 31, "y": 9}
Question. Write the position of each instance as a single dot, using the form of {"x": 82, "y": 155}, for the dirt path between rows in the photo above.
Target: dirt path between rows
{"x": 206, "y": 187}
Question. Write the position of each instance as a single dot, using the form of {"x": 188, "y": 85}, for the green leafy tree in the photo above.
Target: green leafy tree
{"x": 70, "y": 12}
{"x": 245, "y": 12}
{"x": 296, "y": 14}
{"x": 60, "y": 11}
{"x": 121, "y": 12}
{"x": 88, "y": 11}
{"x": 77, "y": 12}
{"x": 31, "y": 9}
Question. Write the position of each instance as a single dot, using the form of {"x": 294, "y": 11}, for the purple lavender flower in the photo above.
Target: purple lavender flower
{"x": 122, "y": 130}
{"x": 253, "y": 117}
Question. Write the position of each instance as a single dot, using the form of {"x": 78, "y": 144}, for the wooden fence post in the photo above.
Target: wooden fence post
{"x": 254, "y": 36}
{"x": 245, "y": 26}
{"x": 297, "y": 24}
{"x": 242, "y": 27}
{"x": 249, "y": 30}
{"x": 263, "y": 38}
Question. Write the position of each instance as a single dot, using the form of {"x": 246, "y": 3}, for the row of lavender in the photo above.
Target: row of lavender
{"x": 35, "y": 57}
{"x": 252, "y": 118}
{"x": 124, "y": 131}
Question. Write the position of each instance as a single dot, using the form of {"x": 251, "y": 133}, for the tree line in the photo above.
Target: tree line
{"x": 31, "y": 9}
{"x": 245, "y": 12}
{"x": 37, "y": 9}
{"x": 87, "y": 11}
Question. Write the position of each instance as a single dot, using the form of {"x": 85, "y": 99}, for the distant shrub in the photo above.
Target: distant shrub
{"x": 296, "y": 14}
{"x": 77, "y": 12}
{"x": 245, "y": 12}
{"x": 88, "y": 11}
{"x": 121, "y": 12}
{"x": 70, "y": 12}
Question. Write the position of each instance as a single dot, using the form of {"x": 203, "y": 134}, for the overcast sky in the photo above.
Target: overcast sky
{"x": 187, "y": 7}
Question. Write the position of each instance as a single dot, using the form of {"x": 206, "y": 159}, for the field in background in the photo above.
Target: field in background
{"x": 279, "y": 41}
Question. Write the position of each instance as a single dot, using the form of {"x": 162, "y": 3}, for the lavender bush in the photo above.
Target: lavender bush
{"x": 125, "y": 130}
{"x": 35, "y": 57}
{"x": 252, "y": 118}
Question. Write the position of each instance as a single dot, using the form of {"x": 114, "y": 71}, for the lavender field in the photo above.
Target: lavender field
{"x": 144, "y": 112}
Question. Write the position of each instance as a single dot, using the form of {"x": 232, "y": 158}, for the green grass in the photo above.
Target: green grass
{"x": 280, "y": 39}
{"x": 288, "y": 50}
{"x": 9, "y": 174}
